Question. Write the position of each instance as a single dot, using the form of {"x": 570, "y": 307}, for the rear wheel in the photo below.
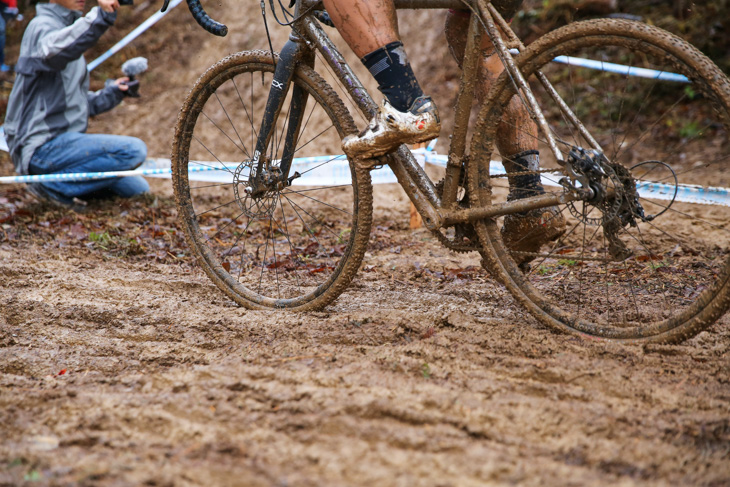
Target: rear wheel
{"x": 295, "y": 245}
{"x": 614, "y": 274}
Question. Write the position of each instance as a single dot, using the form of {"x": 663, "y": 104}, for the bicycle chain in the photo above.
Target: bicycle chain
{"x": 522, "y": 173}
{"x": 536, "y": 255}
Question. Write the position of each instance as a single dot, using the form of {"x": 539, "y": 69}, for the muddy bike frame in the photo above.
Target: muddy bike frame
{"x": 437, "y": 212}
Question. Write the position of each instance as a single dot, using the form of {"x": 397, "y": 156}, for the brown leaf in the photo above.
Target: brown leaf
{"x": 78, "y": 231}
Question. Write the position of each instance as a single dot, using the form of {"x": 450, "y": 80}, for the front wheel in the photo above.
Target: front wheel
{"x": 655, "y": 265}
{"x": 297, "y": 243}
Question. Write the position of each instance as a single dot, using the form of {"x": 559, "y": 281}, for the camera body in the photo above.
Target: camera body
{"x": 126, "y": 2}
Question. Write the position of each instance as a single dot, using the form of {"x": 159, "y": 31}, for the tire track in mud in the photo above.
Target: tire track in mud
{"x": 168, "y": 382}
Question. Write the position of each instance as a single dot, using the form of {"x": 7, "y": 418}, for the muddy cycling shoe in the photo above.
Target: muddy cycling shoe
{"x": 529, "y": 232}
{"x": 55, "y": 198}
{"x": 391, "y": 128}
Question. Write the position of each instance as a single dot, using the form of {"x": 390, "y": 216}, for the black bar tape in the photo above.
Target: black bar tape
{"x": 204, "y": 20}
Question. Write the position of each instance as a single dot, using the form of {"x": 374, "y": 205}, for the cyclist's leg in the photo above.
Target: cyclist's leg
{"x": 366, "y": 25}
{"x": 370, "y": 28}
{"x": 517, "y": 133}
{"x": 516, "y": 141}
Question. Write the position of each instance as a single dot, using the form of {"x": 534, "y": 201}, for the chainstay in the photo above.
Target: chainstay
{"x": 463, "y": 248}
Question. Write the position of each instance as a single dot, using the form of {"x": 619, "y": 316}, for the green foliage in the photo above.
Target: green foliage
{"x": 32, "y": 476}
{"x": 705, "y": 25}
{"x": 101, "y": 239}
{"x": 426, "y": 371}
{"x": 689, "y": 92}
{"x": 690, "y": 130}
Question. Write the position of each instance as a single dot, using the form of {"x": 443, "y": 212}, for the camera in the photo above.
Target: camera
{"x": 126, "y": 2}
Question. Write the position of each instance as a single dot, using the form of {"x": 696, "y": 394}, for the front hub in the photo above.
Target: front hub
{"x": 257, "y": 197}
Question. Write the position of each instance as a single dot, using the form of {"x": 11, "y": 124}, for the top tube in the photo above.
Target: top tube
{"x": 414, "y": 4}
{"x": 431, "y": 4}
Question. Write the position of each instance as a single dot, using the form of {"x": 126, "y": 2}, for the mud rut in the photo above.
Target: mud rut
{"x": 423, "y": 373}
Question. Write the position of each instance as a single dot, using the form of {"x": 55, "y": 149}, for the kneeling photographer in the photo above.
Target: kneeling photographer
{"x": 50, "y": 105}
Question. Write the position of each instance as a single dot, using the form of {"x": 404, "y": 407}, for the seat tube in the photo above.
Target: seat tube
{"x": 469, "y": 78}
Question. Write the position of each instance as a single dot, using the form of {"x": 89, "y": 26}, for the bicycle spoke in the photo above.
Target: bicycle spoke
{"x": 242, "y": 149}
{"x": 318, "y": 201}
{"x": 638, "y": 279}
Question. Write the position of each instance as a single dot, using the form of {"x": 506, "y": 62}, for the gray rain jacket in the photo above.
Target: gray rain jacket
{"x": 51, "y": 92}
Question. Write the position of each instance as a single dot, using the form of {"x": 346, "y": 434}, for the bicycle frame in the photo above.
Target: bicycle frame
{"x": 307, "y": 36}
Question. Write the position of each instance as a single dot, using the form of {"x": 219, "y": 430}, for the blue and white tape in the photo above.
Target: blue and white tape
{"x": 335, "y": 171}
{"x": 617, "y": 68}
{"x": 621, "y": 69}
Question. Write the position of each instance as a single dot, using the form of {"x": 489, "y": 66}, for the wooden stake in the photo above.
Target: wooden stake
{"x": 416, "y": 220}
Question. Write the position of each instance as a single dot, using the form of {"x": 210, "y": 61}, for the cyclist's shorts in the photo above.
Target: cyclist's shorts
{"x": 506, "y": 8}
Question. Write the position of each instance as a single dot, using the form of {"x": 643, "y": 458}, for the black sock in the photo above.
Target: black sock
{"x": 523, "y": 185}
{"x": 391, "y": 69}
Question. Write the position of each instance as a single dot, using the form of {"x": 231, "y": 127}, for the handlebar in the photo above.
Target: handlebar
{"x": 202, "y": 18}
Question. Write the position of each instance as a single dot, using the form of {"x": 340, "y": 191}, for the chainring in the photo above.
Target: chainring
{"x": 465, "y": 238}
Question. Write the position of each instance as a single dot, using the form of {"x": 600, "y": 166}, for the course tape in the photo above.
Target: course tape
{"x": 616, "y": 68}
{"x": 335, "y": 171}
{"x": 621, "y": 69}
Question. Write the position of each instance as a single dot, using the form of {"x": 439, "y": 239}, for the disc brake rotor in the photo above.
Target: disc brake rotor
{"x": 257, "y": 207}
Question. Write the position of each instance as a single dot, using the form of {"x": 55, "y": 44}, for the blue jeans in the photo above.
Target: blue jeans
{"x": 77, "y": 152}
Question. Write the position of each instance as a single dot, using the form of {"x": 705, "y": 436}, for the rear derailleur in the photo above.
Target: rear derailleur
{"x": 612, "y": 191}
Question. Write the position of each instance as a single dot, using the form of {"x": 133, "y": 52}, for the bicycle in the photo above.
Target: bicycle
{"x": 630, "y": 267}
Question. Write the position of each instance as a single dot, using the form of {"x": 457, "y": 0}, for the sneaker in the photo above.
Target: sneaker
{"x": 529, "y": 232}
{"x": 55, "y": 198}
{"x": 391, "y": 128}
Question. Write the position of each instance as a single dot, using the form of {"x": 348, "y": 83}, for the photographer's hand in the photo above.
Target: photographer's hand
{"x": 128, "y": 87}
{"x": 122, "y": 83}
{"x": 109, "y": 6}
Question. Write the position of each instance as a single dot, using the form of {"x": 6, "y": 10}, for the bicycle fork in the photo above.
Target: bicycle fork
{"x": 294, "y": 52}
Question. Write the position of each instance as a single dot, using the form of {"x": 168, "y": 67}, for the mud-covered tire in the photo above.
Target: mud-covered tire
{"x": 697, "y": 292}
{"x": 315, "y": 262}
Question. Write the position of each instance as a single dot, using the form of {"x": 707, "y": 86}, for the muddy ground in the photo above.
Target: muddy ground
{"x": 122, "y": 364}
